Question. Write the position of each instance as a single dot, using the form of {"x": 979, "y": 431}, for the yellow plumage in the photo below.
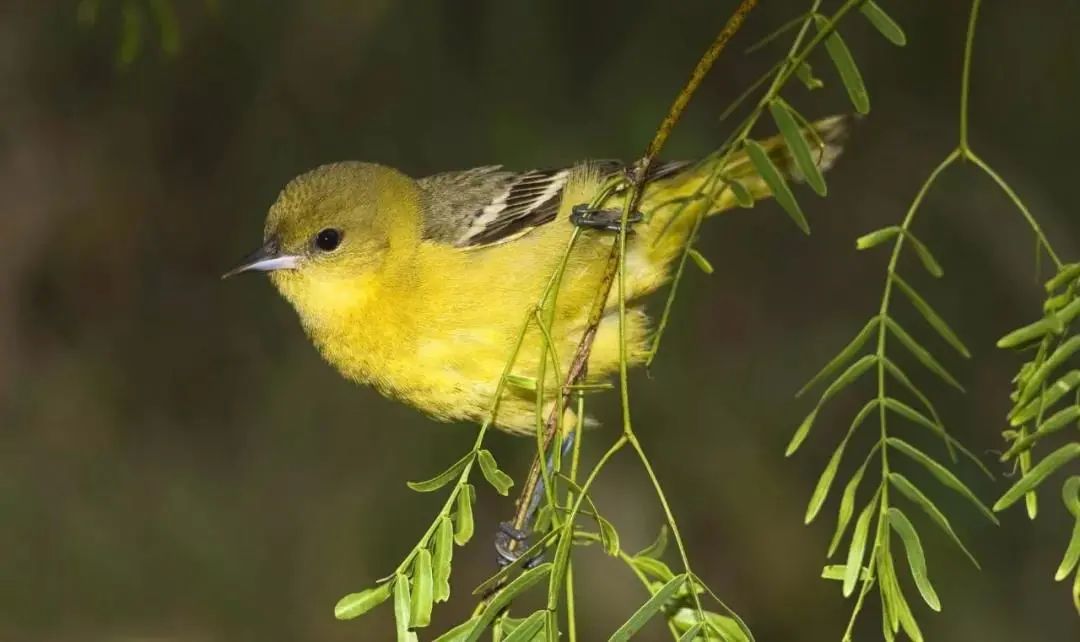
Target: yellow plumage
{"x": 432, "y": 322}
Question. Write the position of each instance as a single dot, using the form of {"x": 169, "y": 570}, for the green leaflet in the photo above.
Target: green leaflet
{"x": 907, "y": 620}
{"x": 1025, "y": 371}
{"x": 899, "y": 613}
{"x": 442, "y": 553}
{"x": 888, "y": 635}
{"x": 503, "y": 598}
{"x": 356, "y": 604}
{"x": 464, "y": 517}
{"x": 908, "y": 412}
{"x": 797, "y": 145}
{"x": 423, "y": 596}
{"x": 1070, "y": 495}
{"x": 801, "y": 433}
{"x": 860, "y": 417}
{"x": 925, "y": 256}
{"x": 916, "y": 558}
{"x": 910, "y": 491}
{"x": 827, "y": 475}
{"x": 521, "y": 381}
{"x": 739, "y": 631}
{"x": 903, "y": 379}
{"x": 562, "y": 562}
{"x": 883, "y": 23}
{"x": 853, "y": 372}
{"x": 609, "y": 537}
{"x": 1055, "y": 303}
{"x": 1038, "y": 473}
{"x": 1066, "y": 314}
{"x": 458, "y": 633}
{"x": 658, "y": 546}
{"x": 845, "y": 65}
{"x": 1064, "y": 276}
{"x": 1031, "y": 500}
{"x": 715, "y": 626}
{"x": 499, "y": 480}
{"x": 821, "y": 490}
{"x": 922, "y": 354}
{"x": 917, "y": 417}
{"x": 504, "y": 573}
{"x": 1072, "y": 554}
{"x": 837, "y": 572}
{"x": 942, "y": 474}
{"x": 647, "y": 610}
{"x": 743, "y": 197}
{"x": 530, "y": 629}
{"x": 775, "y": 180}
{"x": 1030, "y": 332}
{"x": 805, "y": 73}
{"x": 877, "y": 237}
{"x": 842, "y": 357}
{"x": 402, "y": 608}
{"x": 1056, "y": 358}
{"x": 1076, "y": 592}
{"x": 653, "y": 567}
{"x": 847, "y": 504}
{"x": 700, "y": 261}
{"x": 1054, "y": 423}
{"x": 891, "y": 597}
{"x": 932, "y": 317}
{"x": 692, "y": 633}
{"x": 858, "y": 547}
{"x": 443, "y": 478}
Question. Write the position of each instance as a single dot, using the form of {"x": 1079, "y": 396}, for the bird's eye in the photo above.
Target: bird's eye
{"x": 328, "y": 239}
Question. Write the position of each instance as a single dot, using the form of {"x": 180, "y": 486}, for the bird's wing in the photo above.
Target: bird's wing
{"x": 488, "y": 205}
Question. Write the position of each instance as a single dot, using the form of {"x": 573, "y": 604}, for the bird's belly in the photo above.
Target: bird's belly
{"x": 450, "y": 367}
{"x": 462, "y": 370}
{"x": 451, "y": 375}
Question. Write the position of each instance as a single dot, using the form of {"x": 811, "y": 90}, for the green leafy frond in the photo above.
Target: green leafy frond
{"x": 866, "y": 534}
{"x": 870, "y": 561}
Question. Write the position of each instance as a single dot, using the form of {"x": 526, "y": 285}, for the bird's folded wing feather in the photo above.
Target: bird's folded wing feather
{"x": 488, "y": 205}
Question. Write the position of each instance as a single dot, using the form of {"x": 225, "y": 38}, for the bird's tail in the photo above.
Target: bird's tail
{"x": 716, "y": 185}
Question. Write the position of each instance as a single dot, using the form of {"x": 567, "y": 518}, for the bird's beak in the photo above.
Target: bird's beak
{"x": 265, "y": 259}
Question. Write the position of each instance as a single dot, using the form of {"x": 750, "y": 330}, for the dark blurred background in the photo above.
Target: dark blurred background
{"x": 176, "y": 463}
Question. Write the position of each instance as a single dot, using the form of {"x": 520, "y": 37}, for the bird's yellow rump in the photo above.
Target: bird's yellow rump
{"x": 421, "y": 287}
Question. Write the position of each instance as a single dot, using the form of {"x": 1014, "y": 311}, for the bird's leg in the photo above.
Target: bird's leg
{"x": 511, "y": 539}
{"x": 595, "y": 219}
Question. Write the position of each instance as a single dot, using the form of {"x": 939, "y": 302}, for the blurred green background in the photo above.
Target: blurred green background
{"x": 176, "y": 463}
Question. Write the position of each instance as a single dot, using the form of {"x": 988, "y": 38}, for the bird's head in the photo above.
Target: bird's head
{"x": 336, "y": 222}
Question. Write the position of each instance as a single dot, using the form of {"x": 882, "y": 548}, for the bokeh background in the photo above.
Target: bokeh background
{"x": 176, "y": 463}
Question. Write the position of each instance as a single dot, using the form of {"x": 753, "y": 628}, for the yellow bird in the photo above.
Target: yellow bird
{"x": 421, "y": 287}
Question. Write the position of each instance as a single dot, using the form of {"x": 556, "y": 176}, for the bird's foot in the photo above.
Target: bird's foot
{"x": 506, "y": 553}
{"x": 607, "y": 220}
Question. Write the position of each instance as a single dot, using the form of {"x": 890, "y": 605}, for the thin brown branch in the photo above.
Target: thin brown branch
{"x": 636, "y": 174}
